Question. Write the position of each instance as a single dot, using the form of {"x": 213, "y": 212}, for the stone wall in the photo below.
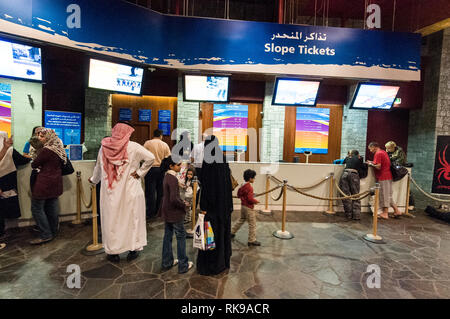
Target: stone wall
{"x": 354, "y": 128}
{"x": 433, "y": 118}
{"x": 97, "y": 120}
{"x": 272, "y": 138}
{"x": 188, "y": 115}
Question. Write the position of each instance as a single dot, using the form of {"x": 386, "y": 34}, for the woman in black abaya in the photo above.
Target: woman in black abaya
{"x": 217, "y": 201}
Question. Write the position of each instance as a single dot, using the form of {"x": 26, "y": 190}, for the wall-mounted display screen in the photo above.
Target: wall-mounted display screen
{"x": 374, "y": 96}
{"x": 311, "y": 130}
{"x": 5, "y": 108}
{"x": 20, "y": 61}
{"x": 230, "y": 123}
{"x": 206, "y": 88}
{"x": 115, "y": 77}
{"x": 295, "y": 92}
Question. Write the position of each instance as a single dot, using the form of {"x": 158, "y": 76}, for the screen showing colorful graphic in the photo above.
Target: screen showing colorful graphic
{"x": 295, "y": 92}
{"x": 115, "y": 77}
{"x": 20, "y": 61}
{"x": 374, "y": 96}
{"x": 230, "y": 126}
{"x": 5, "y": 108}
{"x": 206, "y": 88}
{"x": 67, "y": 126}
{"x": 311, "y": 130}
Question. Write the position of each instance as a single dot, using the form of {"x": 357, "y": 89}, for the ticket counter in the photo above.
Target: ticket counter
{"x": 298, "y": 175}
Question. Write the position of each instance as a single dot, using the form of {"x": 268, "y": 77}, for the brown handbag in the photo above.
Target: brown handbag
{"x": 234, "y": 183}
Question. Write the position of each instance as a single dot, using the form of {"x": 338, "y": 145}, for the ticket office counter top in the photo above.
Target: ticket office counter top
{"x": 297, "y": 174}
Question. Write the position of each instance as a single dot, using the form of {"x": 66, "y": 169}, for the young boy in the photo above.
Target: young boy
{"x": 245, "y": 193}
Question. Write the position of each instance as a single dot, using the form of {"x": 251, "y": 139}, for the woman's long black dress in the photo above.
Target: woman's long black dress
{"x": 216, "y": 199}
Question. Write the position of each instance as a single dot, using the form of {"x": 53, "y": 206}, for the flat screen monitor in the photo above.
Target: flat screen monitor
{"x": 206, "y": 88}
{"x": 370, "y": 96}
{"x": 20, "y": 61}
{"x": 295, "y": 92}
{"x": 115, "y": 77}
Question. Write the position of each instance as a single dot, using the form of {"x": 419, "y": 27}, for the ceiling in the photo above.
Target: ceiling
{"x": 396, "y": 15}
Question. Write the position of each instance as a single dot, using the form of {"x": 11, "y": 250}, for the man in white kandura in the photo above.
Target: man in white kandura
{"x": 122, "y": 199}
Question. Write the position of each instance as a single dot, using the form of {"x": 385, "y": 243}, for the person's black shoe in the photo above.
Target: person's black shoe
{"x": 233, "y": 235}
{"x": 113, "y": 258}
{"x": 254, "y": 243}
{"x": 132, "y": 255}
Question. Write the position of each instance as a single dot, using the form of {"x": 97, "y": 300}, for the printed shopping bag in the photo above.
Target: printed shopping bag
{"x": 199, "y": 233}
{"x": 210, "y": 243}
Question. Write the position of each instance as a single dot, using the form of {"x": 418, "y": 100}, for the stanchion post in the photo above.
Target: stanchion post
{"x": 283, "y": 233}
{"x": 96, "y": 246}
{"x": 374, "y": 238}
{"x": 190, "y": 232}
{"x": 408, "y": 189}
{"x": 330, "y": 202}
{"x": 77, "y": 220}
{"x": 266, "y": 208}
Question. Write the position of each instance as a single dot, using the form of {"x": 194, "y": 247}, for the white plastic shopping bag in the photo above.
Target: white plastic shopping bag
{"x": 199, "y": 233}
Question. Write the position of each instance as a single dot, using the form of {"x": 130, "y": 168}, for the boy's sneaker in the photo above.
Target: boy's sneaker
{"x": 254, "y": 243}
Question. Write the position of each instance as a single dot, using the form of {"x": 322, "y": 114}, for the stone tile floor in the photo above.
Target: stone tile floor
{"x": 327, "y": 259}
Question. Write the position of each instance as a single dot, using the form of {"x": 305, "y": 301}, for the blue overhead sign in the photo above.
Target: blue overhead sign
{"x": 145, "y": 115}
{"x": 164, "y": 116}
{"x": 103, "y": 26}
{"x": 125, "y": 114}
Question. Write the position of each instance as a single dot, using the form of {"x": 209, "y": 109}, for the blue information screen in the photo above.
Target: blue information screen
{"x": 124, "y": 114}
{"x": 165, "y": 128}
{"x": 67, "y": 125}
{"x": 145, "y": 115}
{"x": 163, "y": 116}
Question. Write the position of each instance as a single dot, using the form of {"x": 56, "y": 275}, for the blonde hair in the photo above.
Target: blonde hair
{"x": 390, "y": 145}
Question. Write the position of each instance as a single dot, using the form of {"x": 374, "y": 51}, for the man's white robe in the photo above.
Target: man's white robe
{"x": 122, "y": 208}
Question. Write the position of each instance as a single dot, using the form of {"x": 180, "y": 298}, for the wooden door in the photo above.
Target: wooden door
{"x": 334, "y": 136}
{"x": 254, "y": 123}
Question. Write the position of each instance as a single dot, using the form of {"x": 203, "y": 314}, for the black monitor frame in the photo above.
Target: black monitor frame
{"x": 213, "y": 101}
{"x": 115, "y": 91}
{"x": 275, "y": 90}
{"x": 2, "y": 38}
{"x": 370, "y": 108}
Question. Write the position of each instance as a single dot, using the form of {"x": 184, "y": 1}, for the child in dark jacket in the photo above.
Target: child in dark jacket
{"x": 245, "y": 193}
{"x": 172, "y": 212}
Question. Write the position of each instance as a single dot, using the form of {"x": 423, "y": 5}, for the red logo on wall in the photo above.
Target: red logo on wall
{"x": 441, "y": 178}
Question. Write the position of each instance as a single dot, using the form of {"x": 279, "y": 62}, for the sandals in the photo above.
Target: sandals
{"x": 382, "y": 217}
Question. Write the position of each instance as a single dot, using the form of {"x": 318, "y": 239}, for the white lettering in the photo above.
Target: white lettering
{"x": 74, "y": 279}
{"x": 374, "y": 19}
{"x": 74, "y": 19}
{"x": 374, "y": 280}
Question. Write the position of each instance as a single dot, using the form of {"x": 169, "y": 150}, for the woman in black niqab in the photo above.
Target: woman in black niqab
{"x": 217, "y": 201}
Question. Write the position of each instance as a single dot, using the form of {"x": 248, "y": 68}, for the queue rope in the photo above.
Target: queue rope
{"x": 342, "y": 192}
{"x": 300, "y": 190}
{"x": 426, "y": 194}
{"x": 352, "y": 197}
{"x": 269, "y": 191}
{"x": 83, "y": 199}
{"x": 279, "y": 196}
{"x": 304, "y": 187}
